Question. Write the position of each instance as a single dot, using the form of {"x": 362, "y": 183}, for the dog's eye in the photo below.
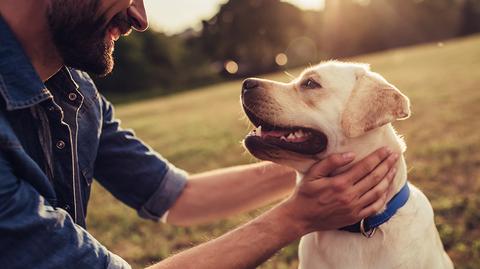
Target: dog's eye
{"x": 310, "y": 84}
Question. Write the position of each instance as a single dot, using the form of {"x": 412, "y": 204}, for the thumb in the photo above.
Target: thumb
{"x": 325, "y": 167}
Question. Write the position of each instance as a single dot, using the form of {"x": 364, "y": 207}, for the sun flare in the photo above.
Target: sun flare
{"x": 308, "y": 4}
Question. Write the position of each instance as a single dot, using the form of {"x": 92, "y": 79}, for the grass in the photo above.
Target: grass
{"x": 202, "y": 129}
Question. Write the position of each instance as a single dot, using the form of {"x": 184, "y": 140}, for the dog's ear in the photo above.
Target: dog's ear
{"x": 373, "y": 103}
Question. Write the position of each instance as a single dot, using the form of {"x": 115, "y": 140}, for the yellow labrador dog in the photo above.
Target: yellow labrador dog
{"x": 339, "y": 107}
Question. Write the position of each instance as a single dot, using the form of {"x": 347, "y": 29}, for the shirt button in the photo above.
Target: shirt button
{"x": 51, "y": 108}
{"x": 67, "y": 207}
{"x": 60, "y": 144}
{"x": 72, "y": 96}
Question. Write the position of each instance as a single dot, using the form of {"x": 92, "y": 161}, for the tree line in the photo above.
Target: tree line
{"x": 249, "y": 37}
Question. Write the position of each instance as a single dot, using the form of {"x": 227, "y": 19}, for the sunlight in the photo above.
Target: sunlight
{"x": 308, "y": 4}
{"x": 176, "y": 16}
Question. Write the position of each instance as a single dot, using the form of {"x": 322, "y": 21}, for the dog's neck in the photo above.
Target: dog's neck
{"x": 384, "y": 136}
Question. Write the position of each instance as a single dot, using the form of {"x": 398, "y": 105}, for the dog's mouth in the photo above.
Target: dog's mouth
{"x": 297, "y": 139}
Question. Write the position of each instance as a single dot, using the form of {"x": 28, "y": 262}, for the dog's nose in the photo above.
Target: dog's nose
{"x": 250, "y": 83}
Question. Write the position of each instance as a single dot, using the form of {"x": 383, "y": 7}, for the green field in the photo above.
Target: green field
{"x": 202, "y": 129}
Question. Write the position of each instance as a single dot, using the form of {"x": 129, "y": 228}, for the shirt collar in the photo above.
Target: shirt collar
{"x": 62, "y": 81}
{"x": 20, "y": 85}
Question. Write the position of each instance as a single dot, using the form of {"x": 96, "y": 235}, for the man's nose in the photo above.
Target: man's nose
{"x": 138, "y": 16}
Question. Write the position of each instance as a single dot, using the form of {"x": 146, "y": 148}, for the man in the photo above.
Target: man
{"x": 57, "y": 133}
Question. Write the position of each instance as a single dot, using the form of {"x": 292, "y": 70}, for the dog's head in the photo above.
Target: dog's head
{"x": 301, "y": 122}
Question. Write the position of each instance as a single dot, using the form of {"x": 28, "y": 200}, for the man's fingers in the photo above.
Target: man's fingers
{"x": 374, "y": 194}
{"x": 367, "y": 165}
{"x": 373, "y": 208}
{"x": 382, "y": 172}
{"x": 327, "y": 166}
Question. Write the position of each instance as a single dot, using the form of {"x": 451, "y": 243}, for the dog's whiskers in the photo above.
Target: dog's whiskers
{"x": 289, "y": 75}
{"x": 249, "y": 125}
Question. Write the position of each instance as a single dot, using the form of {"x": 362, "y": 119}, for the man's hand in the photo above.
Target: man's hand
{"x": 324, "y": 202}
{"x": 320, "y": 202}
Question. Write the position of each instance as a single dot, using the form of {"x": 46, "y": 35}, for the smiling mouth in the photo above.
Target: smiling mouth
{"x": 120, "y": 25}
{"x": 114, "y": 33}
{"x": 296, "y": 139}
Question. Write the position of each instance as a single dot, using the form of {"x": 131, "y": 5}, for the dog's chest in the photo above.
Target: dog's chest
{"x": 408, "y": 240}
{"x": 342, "y": 250}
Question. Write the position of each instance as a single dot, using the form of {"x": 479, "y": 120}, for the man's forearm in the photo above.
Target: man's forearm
{"x": 224, "y": 192}
{"x": 245, "y": 247}
{"x": 318, "y": 203}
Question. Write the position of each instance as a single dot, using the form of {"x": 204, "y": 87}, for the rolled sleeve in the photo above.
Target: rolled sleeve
{"x": 133, "y": 172}
{"x": 156, "y": 208}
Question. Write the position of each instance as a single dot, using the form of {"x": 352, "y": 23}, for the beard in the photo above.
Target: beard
{"x": 81, "y": 37}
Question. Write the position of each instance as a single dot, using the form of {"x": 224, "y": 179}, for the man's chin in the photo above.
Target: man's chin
{"x": 105, "y": 71}
{"x": 97, "y": 69}
{"x": 99, "y": 64}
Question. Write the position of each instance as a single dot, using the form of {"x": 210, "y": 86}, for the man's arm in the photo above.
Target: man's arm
{"x": 244, "y": 247}
{"x": 221, "y": 193}
{"x": 319, "y": 203}
{"x": 133, "y": 172}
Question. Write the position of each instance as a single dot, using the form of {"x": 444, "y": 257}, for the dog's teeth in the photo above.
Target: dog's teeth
{"x": 259, "y": 130}
{"x": 291, "y": 136}
{"x": 283, "y": 138}
{"x": 299, "y": 134}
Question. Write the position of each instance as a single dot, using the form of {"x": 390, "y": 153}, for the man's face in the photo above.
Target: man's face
{"x": 84, "y": 31}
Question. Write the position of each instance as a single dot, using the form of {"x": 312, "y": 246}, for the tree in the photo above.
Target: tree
{"x": 471, "y": 15}
{"x": 252, "y": 33}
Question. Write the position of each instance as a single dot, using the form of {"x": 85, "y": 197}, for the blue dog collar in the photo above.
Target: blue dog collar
{"x": 368, "y": 225}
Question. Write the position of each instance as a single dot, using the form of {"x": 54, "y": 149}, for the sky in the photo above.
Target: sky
{"x": 174, "y": 16}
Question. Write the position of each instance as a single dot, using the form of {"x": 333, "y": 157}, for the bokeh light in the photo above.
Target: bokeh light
{"x": 281, "y": 59}
{"x": 231, "y": 67}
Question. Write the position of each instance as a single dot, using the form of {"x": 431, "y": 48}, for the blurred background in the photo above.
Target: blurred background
{"x": 178, "y": 84}
{"x": 194, "y": 43}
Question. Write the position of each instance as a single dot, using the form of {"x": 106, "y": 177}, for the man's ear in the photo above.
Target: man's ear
{"x": 373, "y": 103}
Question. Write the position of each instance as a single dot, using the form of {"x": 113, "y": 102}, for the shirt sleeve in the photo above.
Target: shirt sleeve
{"x": 133, "y": 172}
{"x": 35, "y": 235}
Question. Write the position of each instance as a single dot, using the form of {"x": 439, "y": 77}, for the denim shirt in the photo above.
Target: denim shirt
{"x": 55, "y": 137}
